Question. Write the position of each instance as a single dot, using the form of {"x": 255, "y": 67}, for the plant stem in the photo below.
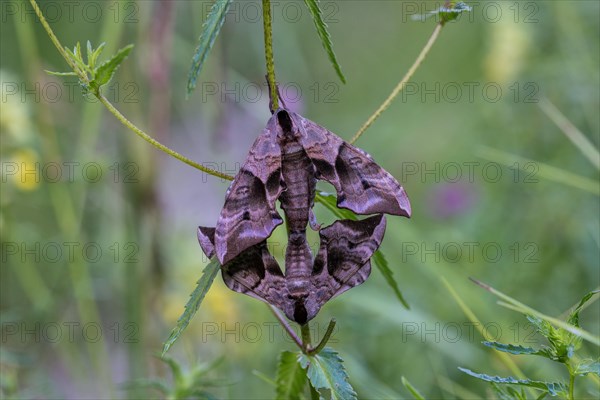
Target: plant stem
{"x": 56, "y": 42}
{"x": 305, "y": 330}
{"x": 325, "y": 339}
{"x": 83, "y": 77}
{"x": 268, "y": 33}
{"x": 287, "y": 327}
{"x": 402, "y": 84}
{"x": 155, "y": 143}
{"x": 571, "y": 383}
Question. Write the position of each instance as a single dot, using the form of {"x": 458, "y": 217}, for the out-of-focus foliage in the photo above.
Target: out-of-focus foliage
{"x": 99, "y": 252}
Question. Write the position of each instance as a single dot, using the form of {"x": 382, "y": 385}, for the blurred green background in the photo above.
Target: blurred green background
{"x": 99, "y": 251}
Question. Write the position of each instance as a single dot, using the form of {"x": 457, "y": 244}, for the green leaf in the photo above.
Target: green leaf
{"x": 291, "y": 377}
{"x": 588, "y": 367}
{"x": 106, "y": 70}
{"x": 326, "y": 371}
{"x": 574, "y": 316}
{"x": 517, "y": 349}
{"x": 330, "y": 202}
{"x": 60, "y": 73}
{"x": 315, "y": 11}
{"x": 210, "y": 31}
{"x": 387, "y": 273}
{"x": 95, "y": 55}
{"x": 412, "y": 389}
{"x": 554, "y": 388}
{"x": 77, "y": 60}
{"x": 204, "y": 284}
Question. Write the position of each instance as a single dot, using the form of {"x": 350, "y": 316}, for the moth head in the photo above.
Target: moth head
{"x": 285, "y": 122}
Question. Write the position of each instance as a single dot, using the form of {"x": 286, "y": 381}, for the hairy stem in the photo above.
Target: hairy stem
{"x": 83, "y": 77}
{"x": 155, "y": 143}
{"x": 268, "y": 30}
{"x": 402, "y": 84}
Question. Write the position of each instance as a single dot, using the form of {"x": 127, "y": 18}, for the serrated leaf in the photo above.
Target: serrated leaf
{"x": 412, "y": 389}
{"x": 517, "y": 349}
{"x": 90, "y": 51}
{"x": 95, "y": 55}
{"x": 382, "y": 264}
{"x": 574, "y": 315}
{"x": 291, "y": 377}
{"x": 210, "y": 31}
{"x": 60, "y": 73}
{"x": 326, "y": 371}
{"x": 204, "y": 284}
{"x": 588, "y": 367}
{"x": 105, "y": 71}
{"x": 554, "y": 388}
{"x": 317, "y": 15}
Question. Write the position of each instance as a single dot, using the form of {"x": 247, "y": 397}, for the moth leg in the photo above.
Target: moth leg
{"x": 312, "y": 221}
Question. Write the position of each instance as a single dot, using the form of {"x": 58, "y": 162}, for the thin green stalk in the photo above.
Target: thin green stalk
{"x": 81, "y": 74}
{"x": 325, "y": 339}
{"x": 384, "y": 106}
{"x": 581, "y": 141}
{"x": 268, "y": 30}
{"x": 83, "y": 77}
{"x": 156, "y": 143}
{"x": 305, "y": 330}
{"x": 571, "y": 384}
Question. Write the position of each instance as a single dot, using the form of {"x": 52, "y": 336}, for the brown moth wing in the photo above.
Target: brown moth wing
{"x": 343, "y": 259}
{"x": 361, "y": 185}
{"x": 253, "y": 272}
{"x": 249, "y": 214}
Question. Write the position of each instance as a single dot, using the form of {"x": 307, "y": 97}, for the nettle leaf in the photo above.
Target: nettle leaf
{"x": 291, "y": 377}
{"x": 412, "y": 389}
{"x": 330, "y": 202}
{"x": 210, "y": 31}
{"x": 326, "y": 372}
{"x": 387, "y": 273}
{"x": 317, "y": 15}
{"x": 105, "y": 71}
{"x": 574, "y": 316}
{"x": 76, "y": 59}
{"x": 517, "y": 349}
{"x": 554, "y": 388}
{"x": 95, "y": 54}
{"x": 588, "y": 367}
{"x": 204, "y": 284}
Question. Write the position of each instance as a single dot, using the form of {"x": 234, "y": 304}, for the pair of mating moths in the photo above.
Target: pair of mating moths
{"x": 284, "y": 164}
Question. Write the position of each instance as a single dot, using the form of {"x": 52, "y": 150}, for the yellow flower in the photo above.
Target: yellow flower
{"x": 22, "y": 169}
